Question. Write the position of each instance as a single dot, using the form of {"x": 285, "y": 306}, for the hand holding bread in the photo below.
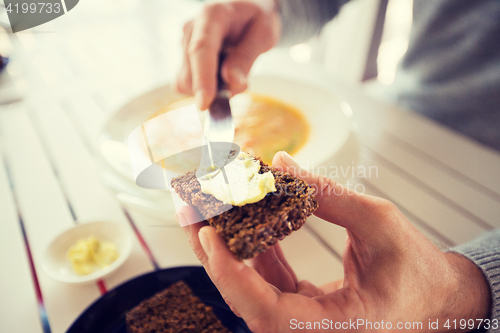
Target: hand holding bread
{"x": 392, "y": 272}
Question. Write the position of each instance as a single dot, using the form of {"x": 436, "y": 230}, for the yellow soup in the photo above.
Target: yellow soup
{"x": 264, "y": 126}
{"x": 268, "y": 125}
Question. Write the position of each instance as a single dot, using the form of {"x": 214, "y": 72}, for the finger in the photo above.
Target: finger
{"x": 362, "y": 214}
{"x": 330, "y": 287}
{"x": 191, "y": 222}
{"x": 186, "y": 216}
{"x": 306, "y": 288}
{"x": 270, "y": 267}
{"x": 183, "y": 82}
{"x": 204, "y": 46}
{"x": 239, "y": 59}
{"x": 240, "y": 285}
{"x": 259, "y": 37}
{"x": 281, "y": 257}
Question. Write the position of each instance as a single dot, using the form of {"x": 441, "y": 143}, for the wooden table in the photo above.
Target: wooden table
{"x": 77, "y": 69}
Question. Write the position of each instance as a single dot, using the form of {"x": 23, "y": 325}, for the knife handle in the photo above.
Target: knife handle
{"x": 221, "y": 85}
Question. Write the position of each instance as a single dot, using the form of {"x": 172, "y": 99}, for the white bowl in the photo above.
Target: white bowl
{"x": 329, "y": 117}
{"x": 57, "y": 265}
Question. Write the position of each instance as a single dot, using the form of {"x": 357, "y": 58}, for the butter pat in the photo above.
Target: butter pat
{"x": 88, "y": 254}
{"x": 244, "y": 183}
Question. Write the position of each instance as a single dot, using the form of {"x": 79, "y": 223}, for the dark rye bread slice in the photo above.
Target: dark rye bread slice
{"x": 253, "y": 228}
{"x": 173, "y": 310}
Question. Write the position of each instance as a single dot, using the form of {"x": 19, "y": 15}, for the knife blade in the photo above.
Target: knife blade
{"x": 218, "y": 131}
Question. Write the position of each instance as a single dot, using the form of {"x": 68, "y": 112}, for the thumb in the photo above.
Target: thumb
{"x": 240, "y": 286}
{"x": 361, "y": 214}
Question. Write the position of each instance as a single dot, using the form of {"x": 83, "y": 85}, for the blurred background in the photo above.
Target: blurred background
{"x": 116, "y": 41}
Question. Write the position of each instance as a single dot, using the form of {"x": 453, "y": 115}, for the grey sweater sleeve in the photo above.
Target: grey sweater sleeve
{"x": 301, "y": 19}
{"x": 485, "y": 253}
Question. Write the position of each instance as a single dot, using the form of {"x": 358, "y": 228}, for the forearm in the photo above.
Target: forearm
{"x": 301, "y": 19}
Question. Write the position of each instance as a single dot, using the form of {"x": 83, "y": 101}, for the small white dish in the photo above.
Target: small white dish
{"x": 56, "y": 264}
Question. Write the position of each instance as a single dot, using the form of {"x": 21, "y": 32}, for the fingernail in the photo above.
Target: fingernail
{"x": 289, "y": 161}
{"x": 198, "y": 99}
{"x": 238, "y": 75}
{"x": 181, "y": 219}
{"x": 205, "y": 242}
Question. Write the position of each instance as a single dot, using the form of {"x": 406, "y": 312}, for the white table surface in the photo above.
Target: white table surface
{"x": 77, "y": 69}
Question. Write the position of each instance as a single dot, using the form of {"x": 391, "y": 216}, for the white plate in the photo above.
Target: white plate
{"x": 57, "y": 265}
{"x": 330, "y": 119}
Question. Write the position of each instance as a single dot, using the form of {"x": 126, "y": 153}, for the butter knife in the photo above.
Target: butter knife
{"x": 219, "y": 131}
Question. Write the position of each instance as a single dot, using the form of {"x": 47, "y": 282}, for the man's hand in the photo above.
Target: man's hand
{"x": 392, "y": 273}
{"x": 243, "y": 29}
